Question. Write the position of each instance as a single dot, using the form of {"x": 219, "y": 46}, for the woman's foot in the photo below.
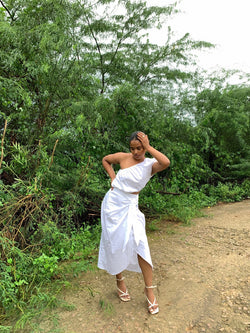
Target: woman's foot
{"x": 153, "y": 307}
{"x": 122, "y": 290}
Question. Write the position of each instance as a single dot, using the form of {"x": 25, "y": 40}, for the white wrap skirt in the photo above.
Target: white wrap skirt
{"x": 123, "y": 233}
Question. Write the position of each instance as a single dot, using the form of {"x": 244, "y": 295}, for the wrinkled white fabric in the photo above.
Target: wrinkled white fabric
{"x": 134, "y": 178}
{"x": 123, "y": 225}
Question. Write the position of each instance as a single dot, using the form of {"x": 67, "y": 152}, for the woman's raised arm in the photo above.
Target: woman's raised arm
{"x": 162, "y": 160}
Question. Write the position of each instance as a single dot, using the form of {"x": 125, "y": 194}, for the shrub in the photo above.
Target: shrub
{"x": 228, "y": 192}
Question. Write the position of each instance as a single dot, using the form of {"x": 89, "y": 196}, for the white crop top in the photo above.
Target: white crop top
{"x": 134, "y": 178}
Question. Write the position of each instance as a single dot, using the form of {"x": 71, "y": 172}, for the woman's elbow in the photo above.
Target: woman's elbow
{"x": 104, "y": 161}
{"x": 166, "y": 163}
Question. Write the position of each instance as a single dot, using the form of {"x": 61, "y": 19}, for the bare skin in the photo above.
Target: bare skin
{"x": 147, "y": 273}
{"x": 138, "y": 148}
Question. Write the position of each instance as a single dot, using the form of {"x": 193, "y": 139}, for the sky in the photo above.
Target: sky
{"x": 225, "y": 23}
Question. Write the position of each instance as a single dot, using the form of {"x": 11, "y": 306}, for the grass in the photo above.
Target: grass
{"x": 106, "y": 307}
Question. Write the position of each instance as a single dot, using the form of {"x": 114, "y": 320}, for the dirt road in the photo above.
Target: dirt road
{"x": 202, "y": 274}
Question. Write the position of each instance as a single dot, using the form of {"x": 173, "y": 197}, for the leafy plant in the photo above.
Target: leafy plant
{"x": 74, "y": 82}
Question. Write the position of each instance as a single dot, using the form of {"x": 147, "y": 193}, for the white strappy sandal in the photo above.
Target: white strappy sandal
{"x": 152, "y": 305}
{"x": 124, "y": 296}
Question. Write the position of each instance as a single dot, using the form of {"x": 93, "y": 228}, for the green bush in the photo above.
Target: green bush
{"x": 45, "y": 266}
{"x": 185, "y": 206}
{"x": 24, "y": 274}
{"x": 228, "y": 192}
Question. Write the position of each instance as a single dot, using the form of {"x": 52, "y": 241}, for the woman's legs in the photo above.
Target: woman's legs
{"x": 147, "y": 273}
{"x": 122, "y": 293}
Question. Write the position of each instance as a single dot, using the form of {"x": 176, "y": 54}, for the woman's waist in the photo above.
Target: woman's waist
{"x": 130, "y": 197}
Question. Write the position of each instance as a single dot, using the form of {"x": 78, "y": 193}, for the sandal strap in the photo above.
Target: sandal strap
{"x": 150, "y": 287}
{"x": 123, "y": 293}
{"x": 152, "y": 304}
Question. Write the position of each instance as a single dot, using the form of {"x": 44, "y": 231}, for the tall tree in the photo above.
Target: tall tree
{"x": 40, "y": 63}
{"x": 223, "y": 130}
{"x": 84, "y": 71}
{"x": 120, "y": 49}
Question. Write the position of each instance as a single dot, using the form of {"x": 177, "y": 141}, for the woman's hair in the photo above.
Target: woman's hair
{"x": 133, "y": 136}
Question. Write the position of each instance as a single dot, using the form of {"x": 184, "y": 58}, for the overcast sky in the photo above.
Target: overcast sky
{"x": 222, "y": 22}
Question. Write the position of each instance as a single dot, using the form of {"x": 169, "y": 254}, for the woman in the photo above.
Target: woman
{"x": 124, "y": 244}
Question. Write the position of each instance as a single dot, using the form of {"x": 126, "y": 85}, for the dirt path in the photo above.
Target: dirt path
{"x": 202, "y": 274}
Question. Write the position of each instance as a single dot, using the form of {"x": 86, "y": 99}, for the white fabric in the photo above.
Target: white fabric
{"x": 134, "y": 178}
{"x": 123, "y": 225}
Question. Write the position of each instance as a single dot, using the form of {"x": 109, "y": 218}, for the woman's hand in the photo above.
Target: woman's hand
{"x": 111, "y": 181}
{"x": 162, "y": 160}
{"x": 144, "y": 140}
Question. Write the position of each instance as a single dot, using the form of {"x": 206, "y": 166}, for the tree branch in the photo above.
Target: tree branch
{"x": 100, "y": 55}
{"x": 4, "y": 131}
{"x": 7, "y": 10}
{"x": 163, "y": 192}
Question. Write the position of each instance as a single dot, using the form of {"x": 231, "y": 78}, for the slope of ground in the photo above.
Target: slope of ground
{"x": 202, "y": 274}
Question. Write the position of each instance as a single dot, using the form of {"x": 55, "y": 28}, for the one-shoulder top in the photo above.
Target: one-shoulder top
{"x": 134, "y": 178}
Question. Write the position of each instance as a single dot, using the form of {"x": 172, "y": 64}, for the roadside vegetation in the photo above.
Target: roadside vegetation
{"x": 76, "y": 78}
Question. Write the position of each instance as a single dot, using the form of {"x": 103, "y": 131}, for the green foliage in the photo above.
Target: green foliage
{"x": 46, "y": 266}
{"x": 24, "y": 274}
{"x": 228, "y": 192}
{"x": 223, "y": 130}
{"x": 186, "y": 206}
{"x": 106, "y": 307}
{"x": 33, "y": 241}
{"x": 76, "y": 78}
{"x": 6, "y": 329}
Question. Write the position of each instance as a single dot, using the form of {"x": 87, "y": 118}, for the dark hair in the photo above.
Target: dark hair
{"x": 133, "y": 136}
